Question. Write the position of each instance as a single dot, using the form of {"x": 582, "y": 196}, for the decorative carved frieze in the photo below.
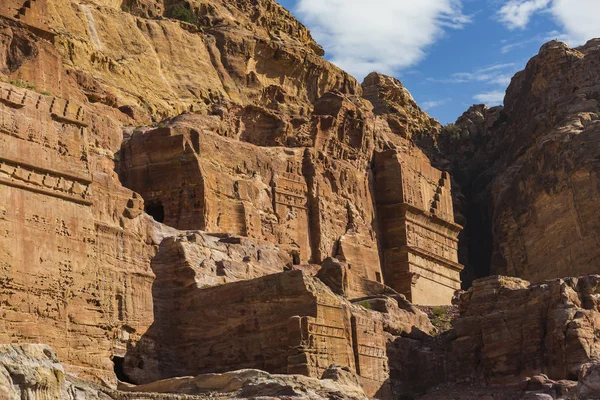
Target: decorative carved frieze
{"x": 27, "y": 177}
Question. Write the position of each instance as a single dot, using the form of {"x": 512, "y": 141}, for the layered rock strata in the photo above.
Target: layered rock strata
{"x": 142, "y": 250}
{"x": 529, "y": 170}
{"x": 509, "y": 329}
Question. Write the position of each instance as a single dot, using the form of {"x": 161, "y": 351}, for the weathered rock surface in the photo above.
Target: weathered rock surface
{"x": 316, "y": 198}
{"x": 268, "y": 169}
{"x": 33, "y": 372}
{"x": 509, "y": 329}
{"x": 529, "y": 170}
{"x": 283, "y": 323}
{"x": 336, "y": 384}
{"x": 137, "y": 56}
{"x": 393, "y": 102}
{"x": 280, "y": 214}
{"x": 589, "y": 382}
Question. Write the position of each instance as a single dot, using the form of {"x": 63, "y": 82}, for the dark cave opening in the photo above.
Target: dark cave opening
{"x": 156, "y": 210}
{"x": 295, "y": 258}
{"x": 119, "y": 363}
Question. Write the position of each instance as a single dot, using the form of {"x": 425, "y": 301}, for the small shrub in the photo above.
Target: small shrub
{"x": 365, "y": 304}
{"x": 441, "y": 319}
{"x": 22, "y": 84}
{"x": 439, "y": 311}
{"x": 183, "y": 13}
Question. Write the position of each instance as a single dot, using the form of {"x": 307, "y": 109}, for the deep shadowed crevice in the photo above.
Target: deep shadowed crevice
{"x": 119, "y": 363}
{"x": 479, "y": 243}
{"x": 156, "y": 210}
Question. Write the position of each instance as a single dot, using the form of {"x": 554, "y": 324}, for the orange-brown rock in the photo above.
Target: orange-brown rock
{"x": 283, "y": 323}
{"x": 313, "y": 201}
{"x": 68, "y": 263}
{"x": 419, "y": 235}
{"x": 76, "y": 248}
{"x": 34, "y": 372}
{"x": 142, "y": 250}
{"x": 394, "y": 103}
{"x": 529, "y": 170}
{"x": 508, "y": 330}
{"x": 522, "y": 330}
{"x": 147, "y": 57}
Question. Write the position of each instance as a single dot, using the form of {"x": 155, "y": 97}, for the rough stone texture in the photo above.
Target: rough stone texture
{"x": 315, "y": 202}
{"x": 508, "y": 330}
{"x": 268, "y": 158}
{"x": 589, "y": 382}
{"x": 76, "y": 248}
{"x": 520, "y": 330}
{"x": 530, "y": 170}
{"x": 284, "y": 323}
{"x": 33, "y": 372}
{"x": 393, "y": 102}
{"x": 419, "y": 235}
{"x": 67, "y": 265}
{"x": 240, "y": 51}
{"x": 159, "y": 247}
{"x": 337, "y": 383}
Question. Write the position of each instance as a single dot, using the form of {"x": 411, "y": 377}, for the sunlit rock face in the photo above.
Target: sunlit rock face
{"x": 195, "y": 182}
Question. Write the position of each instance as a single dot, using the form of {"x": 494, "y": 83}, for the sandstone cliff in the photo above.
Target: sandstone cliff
{"x": 187, "y": 188}
{"x": 529, "y": 169}
{"x": 118, "y": 230}
{"x": 153, "y": 59}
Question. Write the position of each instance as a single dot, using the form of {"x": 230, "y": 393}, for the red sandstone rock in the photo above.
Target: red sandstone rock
{"x": 529, "y": 170}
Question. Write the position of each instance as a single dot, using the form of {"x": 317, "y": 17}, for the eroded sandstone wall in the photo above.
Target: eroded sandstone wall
{"x": 315, "y": 201}
{"x": 283, "y": 323}
{"x": 508, "y": 330}
{"x": 263, "y": 160}
{"x": 72, "y": 276}
{"x": 529, "y": 169}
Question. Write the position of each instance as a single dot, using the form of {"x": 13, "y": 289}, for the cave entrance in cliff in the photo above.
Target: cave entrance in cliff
{"x": 119, "y": 363}
{"x": 295, "y": 257}
{"x": 155, "y": 209}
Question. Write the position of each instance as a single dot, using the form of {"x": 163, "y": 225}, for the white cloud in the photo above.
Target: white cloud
{"x": 578, "y": 18}
{"x": 539, "y": 39}
{"x": 490, "y": 98}
{"x": 428, "y": 105}
{"x": 517, "y": 13}
{"x": 379, "y": 35}
{"x": 497, "y": 74}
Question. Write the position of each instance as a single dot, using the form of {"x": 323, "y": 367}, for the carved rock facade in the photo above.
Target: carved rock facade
{"x": 259, "y": 168}
{"x": 420, "y": 237}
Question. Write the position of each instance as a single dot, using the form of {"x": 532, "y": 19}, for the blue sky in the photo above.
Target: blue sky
{"x": 450, "y": 54}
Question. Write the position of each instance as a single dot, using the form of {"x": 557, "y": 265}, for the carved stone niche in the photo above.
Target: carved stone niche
{"x": 419, "y": 235}
{"x": 246, "y": 190}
